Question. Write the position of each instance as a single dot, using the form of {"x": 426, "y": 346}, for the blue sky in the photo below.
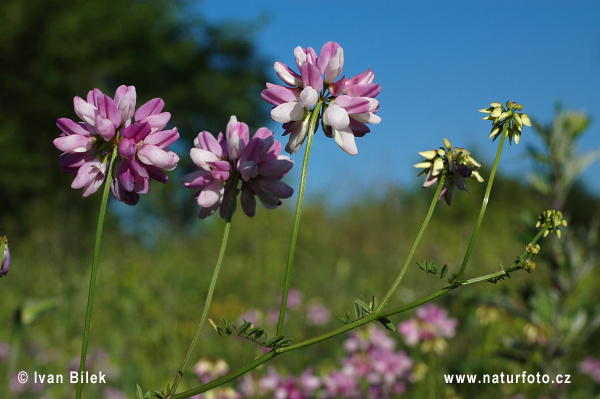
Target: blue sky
{"x": 438, "y": 63}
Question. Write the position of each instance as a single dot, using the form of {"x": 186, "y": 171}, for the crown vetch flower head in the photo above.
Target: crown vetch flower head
{"x": 235, "y": 161}
{"x": 348, "y": 104}
{"x": 500, "y": 115}
{"x": 456, "y": 163}
{"x": 106, "y": 124}
{"x": 5, "y": 264}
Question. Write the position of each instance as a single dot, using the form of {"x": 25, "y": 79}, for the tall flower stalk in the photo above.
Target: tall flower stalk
{"x": 344, "y": 108}
{"x": 105, "y": 143}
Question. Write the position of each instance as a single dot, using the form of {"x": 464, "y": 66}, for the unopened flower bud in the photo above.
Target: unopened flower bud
{"x": 5, "y": 256}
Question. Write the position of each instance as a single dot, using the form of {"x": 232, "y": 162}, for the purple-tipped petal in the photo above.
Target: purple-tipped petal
{"x": 248, "y": 201}
{"x": 152, "y": 107}
{"x": 86, "y": 111}
{"x": 162, "y": 139}
{"x": 364, "y": 90}
{"x": 287, "y": 75}
{"x": 127, "y": 148}
{"x": 276, "y": 167}
{"x": 308, "y": 97}
{"x": 208, "y": 142}
{"x": 354, "y": 105}
{"x": 197, "y": 179}
{"x": 345, "y": 139}
{"x": 277, "y": 95}
{"x": 108, "y": 110}
{"x": 311, "y": 76}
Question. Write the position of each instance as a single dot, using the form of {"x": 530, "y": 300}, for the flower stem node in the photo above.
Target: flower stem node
{"x": 553, "y": 219}
{"x": 456, "y": 164}
{"x": 500, "y": 115}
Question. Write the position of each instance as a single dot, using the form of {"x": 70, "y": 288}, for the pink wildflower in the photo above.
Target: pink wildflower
{"x": 106, "y": 124}
{"x": 349, "y": 104}
{"x": 254, "y": 164}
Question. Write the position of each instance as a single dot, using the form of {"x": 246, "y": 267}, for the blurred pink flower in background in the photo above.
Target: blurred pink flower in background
{"x": 431, "y": 322}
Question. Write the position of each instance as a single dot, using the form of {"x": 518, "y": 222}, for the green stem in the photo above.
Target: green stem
{"x": 270, "y": 355}
{"x": 408, "y": 259}
{"x": 92, "y": 290}
{"x": 485, "y": 202}
{"x": 350, "y": 326}
{"x": 314, "y": 119}
{"x": 211, "y": 289}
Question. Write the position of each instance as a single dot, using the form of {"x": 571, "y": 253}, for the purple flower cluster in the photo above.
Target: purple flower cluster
{"x": 225, "y": 161}
{"x": 431, "y": 323}
{"x": 106, "y": 123}
{"x": 349, "y": 104}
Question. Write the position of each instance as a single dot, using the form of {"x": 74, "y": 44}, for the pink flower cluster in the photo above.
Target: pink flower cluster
{"x": 431, "y": 322}
{"x": 591, "y": 367}
{"x": 349, "y": 104}
{"x": 372, "y": 369}
{"x": 228, "y": 160}
{"x": 106, "y": 123}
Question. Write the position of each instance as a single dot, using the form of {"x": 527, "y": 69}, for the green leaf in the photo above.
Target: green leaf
{"x": 275, "y": 340}
{"x": 244, "y": 327}
{"x": 139, "y": 392}
{"x": 422, "y": 266}
{"x": 362, "y": 305}
{"x": 387, "y": 324}
{"x": 341, "y": 319}
{"x": 444, "y": 271}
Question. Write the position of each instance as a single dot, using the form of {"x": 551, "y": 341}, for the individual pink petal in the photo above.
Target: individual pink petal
{"x": 153, "y": 155}
{"x": 86, "y": 111}
{"x": 354, "y": 105}
{"x": 202, "y": 157}
{"x": 104, "y": 127}
{"x": 263, "y": 133}
{"x": 127, "y": 148}
{"x": 237, "y": 134}
{"x": 331, "y": 61}
{"x": 211, "y": 194}
{"x": 311, "y": 76}
{"x": 345, "y": 139}
{"x": 137, "y": 131}
{"x": 336, "y": 117}
{"x": 367, "y": 117}
{"x": 208, "y": 142}
{"x": 336, "y": 89}
{"x": 73, "y": 143}
{"x": 276, "y": 167}
{"x": 277, "y": 95}
{"x": 163, "y": 138}
{"x": 125, "y": 98}
{"x": 286, "y": 74}
{"x": 305, "y": 55}
{"x": 308, "y": 97}
{"x": 248, "y": 202}
{"x": 158, "y": 121}
{"x": 152, "y": 107}
{"x": 108, "y": 109}
{"x": 288, "y": 112}
{"x": 366, "y": 77}
{"x": 364, "y": 90}
{"x": 197, "y": 179}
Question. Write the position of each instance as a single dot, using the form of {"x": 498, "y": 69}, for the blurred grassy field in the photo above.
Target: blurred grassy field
{"x": 149, "y": 297}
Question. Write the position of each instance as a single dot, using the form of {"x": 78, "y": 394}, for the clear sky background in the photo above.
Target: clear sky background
{"x": 438, "y": 62}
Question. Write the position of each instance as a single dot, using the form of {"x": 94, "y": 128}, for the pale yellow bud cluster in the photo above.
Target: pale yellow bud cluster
{"x": 554, "y": 219}
{"x": 501, "y": 115}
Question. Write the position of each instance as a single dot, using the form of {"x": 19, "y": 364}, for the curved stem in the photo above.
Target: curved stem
{"x": 312, "y": 127}
{"x": 350, "y": 326}
{"x": 211, "y": 289}
{"x": 408, "y": 259}
{"x": 94, "y": 272}
{"x": 484, "y": 204}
